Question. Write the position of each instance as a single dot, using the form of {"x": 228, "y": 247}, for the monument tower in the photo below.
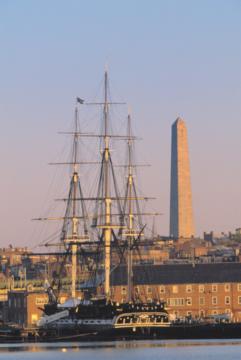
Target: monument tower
{"x": 181, "y": 213}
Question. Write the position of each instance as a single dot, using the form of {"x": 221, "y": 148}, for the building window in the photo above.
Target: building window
{"x": 214, "y": 312}
{"x": 214, "y": 300}
{"x": 176, "y": 302}
{"x": 227, "y": 287}
{"x": 214, "y": 287}
{"x": 41, "y": 301}
{"x": 227, "y": 300}
{"x": 162, "y": 289}
{"x": 34, "y": 318}
{"x": 175, "y": 289}
{"x": 189, "y": 301}
{"x": 149, "y": 290}
{"x": 189, "y": 288}
{"x": 189, "y": 313}
{"x": 239, "y": 287}
{"x": 201, "y": 288}
{"x": 123, "y": 291}
{"x": 239, "y": 300}
{"x": 201, "y": 301}
{"x": 202, "y": 313}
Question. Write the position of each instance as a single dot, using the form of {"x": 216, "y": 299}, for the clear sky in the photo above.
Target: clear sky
{"x": 166, "y": 59}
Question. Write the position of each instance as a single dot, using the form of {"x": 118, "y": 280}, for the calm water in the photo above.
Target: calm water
{"x": 166, "y": 350}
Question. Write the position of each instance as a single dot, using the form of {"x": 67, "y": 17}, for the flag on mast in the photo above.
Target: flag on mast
{"x": 79, "y": 100}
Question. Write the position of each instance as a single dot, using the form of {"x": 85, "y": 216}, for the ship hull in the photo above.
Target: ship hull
{"x": 180, "y": 331}
{"x": 10, "y": 334}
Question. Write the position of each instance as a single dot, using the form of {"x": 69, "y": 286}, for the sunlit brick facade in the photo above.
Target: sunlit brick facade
{"x": 196, "y": 290}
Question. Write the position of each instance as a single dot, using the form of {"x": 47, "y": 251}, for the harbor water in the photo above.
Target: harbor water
{"x": 139, "y": 350}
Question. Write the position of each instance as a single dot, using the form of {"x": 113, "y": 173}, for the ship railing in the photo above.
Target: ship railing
{"x": 145, "y": 319}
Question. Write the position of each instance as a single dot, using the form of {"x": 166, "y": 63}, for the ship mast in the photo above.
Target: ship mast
{"x": 74, "y": 239}
{"x": 130, "y": 233}
{"x": 75, "y": 226}
{"x": 107, "y": 225}
{"x": 75, "y": 221}
{"x": 106, "y": 185}
{"x": 132, "y": 211}
{"x": 131, "y": 195}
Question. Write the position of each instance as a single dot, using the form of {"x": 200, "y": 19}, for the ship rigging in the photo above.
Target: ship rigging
{"x": 120, "y": 230}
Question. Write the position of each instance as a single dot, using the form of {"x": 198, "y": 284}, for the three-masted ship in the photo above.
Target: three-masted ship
{"x": 97, "y": 315}
{"x": 116, "y": 224}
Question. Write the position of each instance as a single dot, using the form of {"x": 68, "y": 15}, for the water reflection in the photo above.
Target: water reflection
{"x": 115, "y": 345}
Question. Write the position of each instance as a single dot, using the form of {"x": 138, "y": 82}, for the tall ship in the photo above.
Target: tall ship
{"x": 114, "y": 230}
{"x": 106, "y": 230}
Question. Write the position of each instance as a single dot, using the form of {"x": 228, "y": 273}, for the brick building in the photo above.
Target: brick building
{"x": 187, "y": 289}
{"x": 25, "y": 306}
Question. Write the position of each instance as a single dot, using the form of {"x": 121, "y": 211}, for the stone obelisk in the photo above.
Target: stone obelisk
{"x": 181, "y": 213}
